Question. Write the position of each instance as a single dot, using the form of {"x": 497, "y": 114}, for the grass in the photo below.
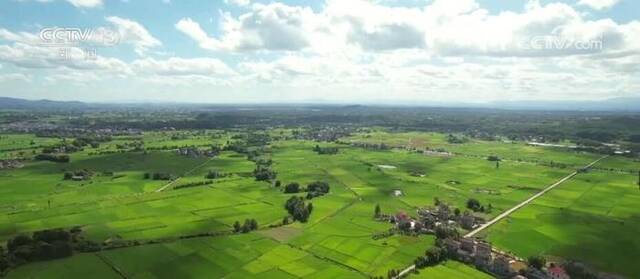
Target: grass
{"x": 451, "y": 269}
{"x": 337, "y": 241}
{"x": 591, "y": 218}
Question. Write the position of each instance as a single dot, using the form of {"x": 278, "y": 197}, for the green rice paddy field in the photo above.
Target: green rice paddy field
{"x": 593, "y": 218}
{"x": 576, "y": 220}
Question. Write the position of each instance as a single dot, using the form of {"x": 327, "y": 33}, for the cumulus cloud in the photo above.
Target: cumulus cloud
{"x": 240, "y": 3}
{"x": 598, "y": 4}
{"x": 86, "y": 3}
{"x": 356, "y": 49}
{"x": 274, "y": 26}
{"x": 14, "y": 77}
{"x": 182, "y": 66}
{"x": 134, "y": 33}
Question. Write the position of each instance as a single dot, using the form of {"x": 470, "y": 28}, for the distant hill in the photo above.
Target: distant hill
{"x": 15, "y": 103}
{"x": 615, "y": 104}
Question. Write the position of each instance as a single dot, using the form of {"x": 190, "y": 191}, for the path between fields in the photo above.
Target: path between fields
{"x": 111, "y": 265}
{"x": 513, "y": 209}
{"x": 186, "y": 173}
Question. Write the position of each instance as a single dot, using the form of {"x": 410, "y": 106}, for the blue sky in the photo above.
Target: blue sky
{"x": 353, "y": 51}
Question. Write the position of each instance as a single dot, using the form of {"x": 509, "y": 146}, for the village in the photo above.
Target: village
{"x": 443, "y": 221}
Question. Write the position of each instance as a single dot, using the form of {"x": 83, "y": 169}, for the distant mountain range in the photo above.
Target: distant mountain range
{"x": 15, "y": 103}
{"x": 615, "y": 104}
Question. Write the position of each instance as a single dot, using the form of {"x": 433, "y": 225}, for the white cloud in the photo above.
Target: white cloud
{"x": 354, "y": 50}
{"x": 274, "y": 26}
{"x": 134, "y": 33}
{"x": 599, "y": 4}
{"x": 182, "y": 66}
{"x": 240, "y": 3}
{"x": 86, "y": 3}
{"x": 14, "y": 77}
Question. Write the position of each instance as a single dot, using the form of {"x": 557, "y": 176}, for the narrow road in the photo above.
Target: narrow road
{"x": 529, "y": 200}
{"x": 186, "y": 173}
{"x": 513, "y": 209}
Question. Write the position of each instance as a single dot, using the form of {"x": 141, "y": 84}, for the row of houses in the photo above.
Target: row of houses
{"x": 10, "y": 164}
{"x": 443, "y": 214}
{"x": 195, "y": 152}
{"x": 501, "y": 264}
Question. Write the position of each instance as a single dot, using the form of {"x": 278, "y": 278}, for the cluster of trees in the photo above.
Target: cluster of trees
{"x": 61, "y": 148}
{"x": 446, "y": 231}
{"x": 493, "y": 158}
{"x": 298, "y": 209}
{"x": 317, "y": 189}
{"x": 264, "y": 173}
{"x": 371, "y": 146}
{"x": 83, "y": 174}
{"x": 193, "y": 184}
{"x": 292, "y": 188}
{"x": 325, "y": 150}
{"x": 249, "y": 225}
{"x": 58, "y": 158}
{"x": 433, "y": 256}
{"x": 314, "y": 189}
{"x": 263, "y": 170}
{"x": 456, "y": 139}
{"x": 213, "y": 174}
{"x": 159, "y": 176}
{"x": 94, "y": 142}
{"x": 41, "y": 245}
{"x": 537, "y": 262}
{"x": 476, "y": 206}
{"x": 578, "y": 270}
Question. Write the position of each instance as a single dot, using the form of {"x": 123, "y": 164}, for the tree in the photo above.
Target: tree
{"x": 237, "y": 227}
{"x": 493, "y": 158}
{"x": 19, "y": 240}
{"x": 473, "y": 204}
{"x": 404, "y": 225}
{"x": 444, "y": 231}
{"x": 456, "y": 212}
{"x": 301, "y": 213}
{"x": 319, "y": 187}
{"x": 436, "y": 255}
{"x": 285, "y": 220}
{"x": 436, "y": 201}
{"x": 310, "y": 207}
{"x": 246, "y": 227}
{"x": 537, "y": 262}
{"x": 293, "y": 187}
{"x": 296, "y": 207}
{"x": 377, "y": 211}
{"x": 213, "y": 174}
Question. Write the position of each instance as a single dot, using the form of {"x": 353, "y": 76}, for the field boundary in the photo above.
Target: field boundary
{"x": 111, "y": 265}
{"x": 186, "y": 173}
